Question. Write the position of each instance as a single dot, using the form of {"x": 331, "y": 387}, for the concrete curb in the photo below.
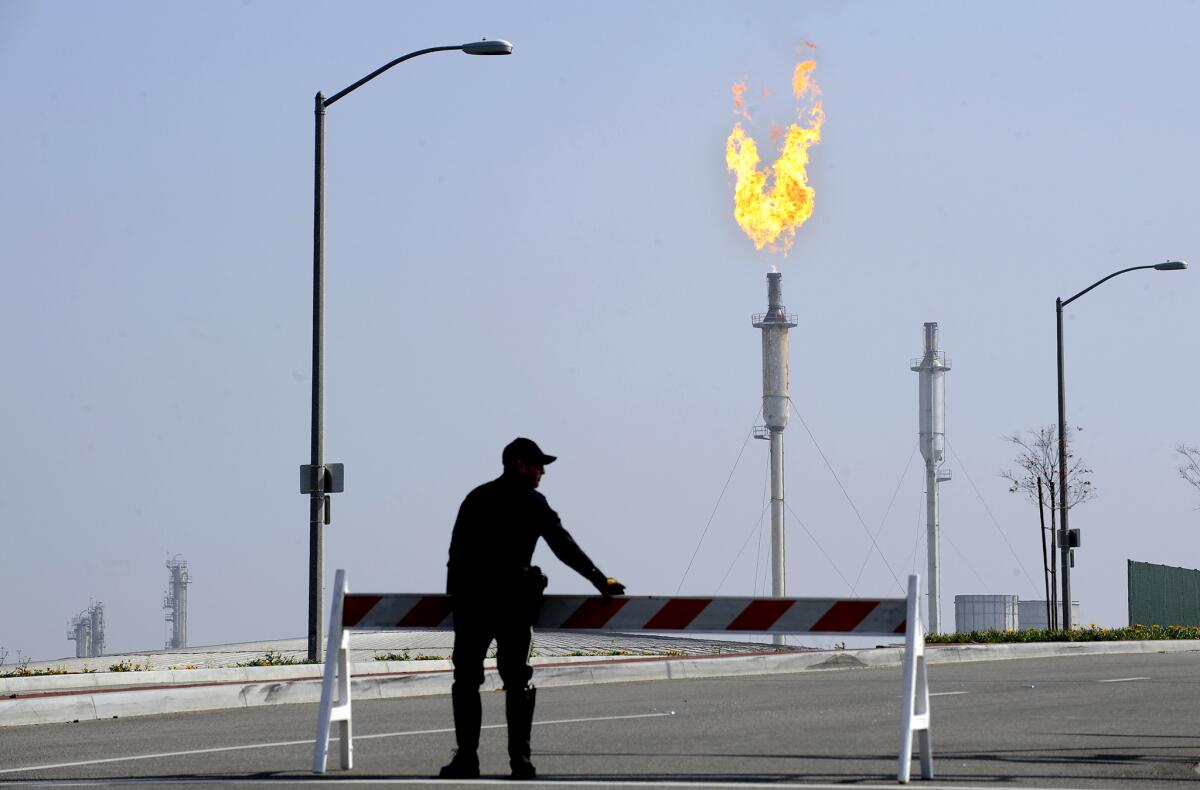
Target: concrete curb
{"x": 289, "y": 687}
{"x": 108, "y": 681}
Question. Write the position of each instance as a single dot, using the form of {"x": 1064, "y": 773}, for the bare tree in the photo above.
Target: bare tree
{"x": 1038, "y": 458}
{"x": 1037, "y": 462}
{"x": 1190, "y": 469}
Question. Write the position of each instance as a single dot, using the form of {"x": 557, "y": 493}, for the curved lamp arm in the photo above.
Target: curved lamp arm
{"x": 498, "y": 47}
{"x": 1166, "y": 267}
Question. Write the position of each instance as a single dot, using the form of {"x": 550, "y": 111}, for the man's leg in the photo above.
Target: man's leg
{"x": 512, "y": 660}
{"x": 471, "y": 642}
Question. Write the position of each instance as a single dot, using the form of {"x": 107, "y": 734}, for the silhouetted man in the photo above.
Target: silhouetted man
{"x": 495, "y": 594}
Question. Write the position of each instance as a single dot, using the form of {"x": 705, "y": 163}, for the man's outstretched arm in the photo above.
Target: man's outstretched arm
{"x": 567, "y": 550}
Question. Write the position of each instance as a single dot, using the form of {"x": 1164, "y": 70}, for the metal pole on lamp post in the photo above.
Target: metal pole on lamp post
{"x": 318, "y": 479}
{"x": 1064, "y": 502}
{"x": 316, "y": 470}
{"x": 1062, "y": 473}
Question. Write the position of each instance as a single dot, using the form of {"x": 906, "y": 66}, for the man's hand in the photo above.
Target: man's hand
{"x": 611, "y": 587}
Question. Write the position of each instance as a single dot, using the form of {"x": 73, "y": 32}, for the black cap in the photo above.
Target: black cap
{"x": 522, "y": 449}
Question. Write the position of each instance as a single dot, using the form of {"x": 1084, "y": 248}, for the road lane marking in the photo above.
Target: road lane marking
{"x": 310, "y": 742}
{"x": 1120, "y": 680}
{"x": 427, "y": 781}
{"x": 946, "y": 693}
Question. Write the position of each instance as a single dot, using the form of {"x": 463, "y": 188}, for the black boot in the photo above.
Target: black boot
{"x": 518, "y": 710}
{"x": 468, "y": 716}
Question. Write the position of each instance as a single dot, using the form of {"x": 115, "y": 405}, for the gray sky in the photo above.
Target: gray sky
{"x": 543, "y": 245}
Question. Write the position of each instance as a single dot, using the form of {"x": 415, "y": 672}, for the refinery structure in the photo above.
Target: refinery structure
{"x": 86, "y": 630}
{"x": 776, "y": 400}
{"x": 776, "y": 397}
{"x": 175, "y": 601}
{"x": 932, "y": 367}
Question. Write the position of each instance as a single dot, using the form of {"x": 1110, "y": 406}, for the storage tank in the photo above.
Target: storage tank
{"x": 985, "y": 613}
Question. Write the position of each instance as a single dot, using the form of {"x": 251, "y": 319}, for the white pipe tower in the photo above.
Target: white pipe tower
{"x": 87, "y": 631}
{"x": 80, "y": 633}
{"x": 96, "y": 619}
{"x": 775, "y": 324}
{"x": 175, "y": 601}
{"x": 932, "y": 368}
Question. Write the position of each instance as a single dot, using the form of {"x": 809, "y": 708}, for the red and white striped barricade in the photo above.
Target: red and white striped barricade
{"x": 813, "y": 616}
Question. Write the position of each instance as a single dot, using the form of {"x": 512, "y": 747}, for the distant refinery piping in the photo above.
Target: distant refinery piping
{"x": 932, "y": 368}
{"x": 175, "y": 602}
{"x": 87, "y": 631}
{"x": 776, "y": 396}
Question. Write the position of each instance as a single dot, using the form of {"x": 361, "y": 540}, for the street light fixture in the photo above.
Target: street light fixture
{"x": 1064, "y": 504}
{"x": 485, "y": 47}
{"x": 318, "y": 479}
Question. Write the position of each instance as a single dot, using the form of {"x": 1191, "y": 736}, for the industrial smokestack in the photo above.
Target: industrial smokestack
{"x": 775, "y": 292}
{"x": 932, "y": 368}
{"x": 775, "y": 324}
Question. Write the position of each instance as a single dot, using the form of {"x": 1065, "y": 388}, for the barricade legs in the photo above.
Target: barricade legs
{"x": 914, "y": 697}
{"x": 337, "y": 672}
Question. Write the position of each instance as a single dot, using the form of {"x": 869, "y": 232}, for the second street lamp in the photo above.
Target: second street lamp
{"x": 317, "y": 479}
{"x": 1063, "y": 498}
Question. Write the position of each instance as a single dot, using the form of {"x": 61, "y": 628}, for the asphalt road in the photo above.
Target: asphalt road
{"x": 1113, "y": 721}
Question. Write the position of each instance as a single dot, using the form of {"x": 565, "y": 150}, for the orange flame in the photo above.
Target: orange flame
{"x": 739, "y": 104}
{"x": 770, "y": 215}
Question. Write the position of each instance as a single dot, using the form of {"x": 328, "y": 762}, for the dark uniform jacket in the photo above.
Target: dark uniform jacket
{"x": 498, "y": 526}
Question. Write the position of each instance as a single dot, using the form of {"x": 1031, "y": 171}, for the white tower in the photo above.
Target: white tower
{"x": 81, "y": 634}
{"x": 775, "y": 324}
{"x": 175, "y": 602}
{"x": 932, "y": 368}
{"x": 87, "y": 631}
{"x": 96, "y": 618}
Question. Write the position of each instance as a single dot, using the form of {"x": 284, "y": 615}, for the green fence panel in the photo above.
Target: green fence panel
{"x": 1162, "y": 595}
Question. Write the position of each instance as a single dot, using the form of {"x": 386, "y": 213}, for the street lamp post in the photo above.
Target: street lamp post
{"x": 1063, "y": 500}
{"x": 318, "y": 479}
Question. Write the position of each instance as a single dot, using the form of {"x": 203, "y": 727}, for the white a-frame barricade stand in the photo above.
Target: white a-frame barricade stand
{"x": 337, "y": 673}
{"x": 914, "y": 696}
{"x": 812, "y": 616}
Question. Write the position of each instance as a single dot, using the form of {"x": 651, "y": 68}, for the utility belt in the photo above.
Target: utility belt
{"x": 530, "y": 589}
